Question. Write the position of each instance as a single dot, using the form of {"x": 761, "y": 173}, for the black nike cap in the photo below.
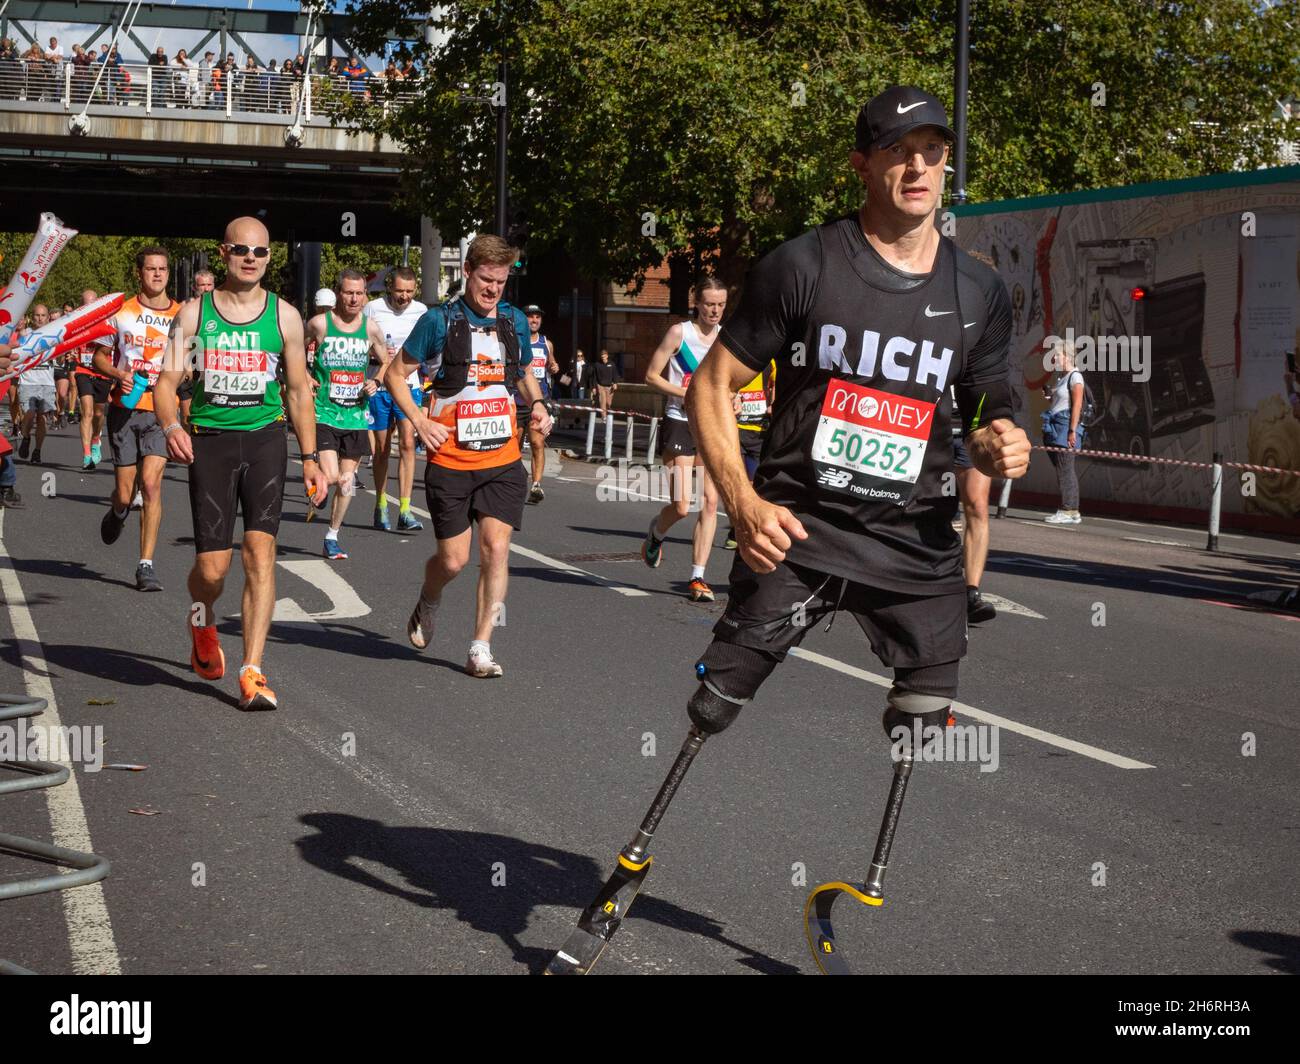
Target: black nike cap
{"x": 897, "y": 111}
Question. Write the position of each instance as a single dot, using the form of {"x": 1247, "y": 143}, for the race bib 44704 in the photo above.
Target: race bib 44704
{"x": 870, "y": 443}
{"x": 484, "y": 424}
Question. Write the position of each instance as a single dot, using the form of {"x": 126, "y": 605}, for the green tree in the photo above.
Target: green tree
{"x": 640, "y": 130}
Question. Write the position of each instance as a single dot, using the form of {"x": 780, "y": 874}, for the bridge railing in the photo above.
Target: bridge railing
{"x": 152, "y": 88}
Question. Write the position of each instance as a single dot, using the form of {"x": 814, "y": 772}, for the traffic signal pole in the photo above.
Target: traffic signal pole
{"x": 503, "y": 129}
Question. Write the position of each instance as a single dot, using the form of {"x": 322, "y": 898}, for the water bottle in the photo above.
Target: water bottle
{"x": 131, "y": 398}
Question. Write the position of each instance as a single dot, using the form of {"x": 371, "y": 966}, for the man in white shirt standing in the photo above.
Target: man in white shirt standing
{"x": 396, "y": 312}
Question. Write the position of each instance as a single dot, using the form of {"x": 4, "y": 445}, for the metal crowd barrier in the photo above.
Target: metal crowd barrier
{"x": 35, "y": 775}
{"x": 632, "y": 417}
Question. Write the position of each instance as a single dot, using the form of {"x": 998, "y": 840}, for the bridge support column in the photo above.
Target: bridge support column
{"x": 430, "y": 262}
{"x": 308, "y": 275}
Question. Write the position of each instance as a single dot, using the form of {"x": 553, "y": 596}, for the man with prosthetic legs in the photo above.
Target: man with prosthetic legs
{"x": 871, "y": 319}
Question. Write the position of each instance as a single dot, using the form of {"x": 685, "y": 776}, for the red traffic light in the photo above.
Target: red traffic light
{"x": 1137, "y": 293}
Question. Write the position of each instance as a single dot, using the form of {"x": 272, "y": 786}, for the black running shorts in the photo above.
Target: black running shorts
{"x": 678, "y": 440}
{"x": 347, "y": 444}
{"x": 458, "y": 496}
{"x": 96, "y": 387}
{"x": 773, "y": 611}
{"x": 244, "y": 469}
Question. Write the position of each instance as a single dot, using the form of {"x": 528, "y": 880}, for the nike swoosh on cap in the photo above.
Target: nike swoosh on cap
{"x": 969, "y": 324}
{"x": 936, "y": 313}
{"x": 903, "y": 110}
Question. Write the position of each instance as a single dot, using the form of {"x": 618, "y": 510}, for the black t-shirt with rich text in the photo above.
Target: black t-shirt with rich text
{"x": 860, "y": 434}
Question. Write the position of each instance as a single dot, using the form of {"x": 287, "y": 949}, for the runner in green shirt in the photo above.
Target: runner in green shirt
{"x": 235, "y": 338}
{"x": 343, "y": 340}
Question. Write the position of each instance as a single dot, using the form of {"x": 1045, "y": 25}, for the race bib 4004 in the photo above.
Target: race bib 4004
{"x": 870, "y": 443}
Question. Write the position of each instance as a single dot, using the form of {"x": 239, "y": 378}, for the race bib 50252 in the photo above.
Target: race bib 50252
{"x": 870, "y": 443}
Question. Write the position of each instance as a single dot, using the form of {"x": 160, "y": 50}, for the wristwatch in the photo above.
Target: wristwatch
{"x": 313, "y": 457}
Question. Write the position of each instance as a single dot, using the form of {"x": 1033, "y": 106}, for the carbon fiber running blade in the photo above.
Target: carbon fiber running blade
{"x": 598, "y": 922}
{"x": 819, "y": 930}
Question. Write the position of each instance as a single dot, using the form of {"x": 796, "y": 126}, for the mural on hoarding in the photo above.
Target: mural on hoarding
{"x": 1182, "y": 309}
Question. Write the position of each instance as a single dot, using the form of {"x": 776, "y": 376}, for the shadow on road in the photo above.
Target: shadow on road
{"x": 453, "y": 870}
{"x": 1286, "y": 948}
{"x": 1093, "y": 574}
{"x": 66, "y": 570}
{"x": 117, "y": 666}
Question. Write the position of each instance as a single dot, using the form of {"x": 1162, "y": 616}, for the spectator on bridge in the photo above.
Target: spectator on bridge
{"x": 298, "y": 71}
{"x": 284, "y": 88}
{"x": 407, "y": 69}
{"x": 357, "y": 75}
{"x": 391, "y": 73}
{"x": 37, "y": 78}
{"x": 11, "y": 71}
{"x": 268, "y": 87}
{"x": 82, "y": 75}
{"x": 185, "y": 79}
{"x": 248, "y": 84}
{"x": 54, "y": 57}
{"x": 199, "y": 97}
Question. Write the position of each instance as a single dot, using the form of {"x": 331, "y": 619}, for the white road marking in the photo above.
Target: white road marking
{"x": 345, "y": 603}
{"x": 1005, "y": 605}
{"x": 554, "y": 563}
{"x": 1094, "y": 752}
{"x": 90, "y": 932}
{"x": 565, "y": 567}
{"x": 1157, "y": 542}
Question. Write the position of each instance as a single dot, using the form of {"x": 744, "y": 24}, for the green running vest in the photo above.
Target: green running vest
{"x": 236, "y": 386}
{"x": 340, "y": 370}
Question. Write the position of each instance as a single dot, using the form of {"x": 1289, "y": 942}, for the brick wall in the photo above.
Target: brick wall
{"x": 636, "y": 331}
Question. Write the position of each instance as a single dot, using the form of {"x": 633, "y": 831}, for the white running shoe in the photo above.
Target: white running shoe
{"x": 1061, "y": 517}
{"x": 419, "y": 629}
{"x": 481, "y": 664}
{"x": 138, "y": 502}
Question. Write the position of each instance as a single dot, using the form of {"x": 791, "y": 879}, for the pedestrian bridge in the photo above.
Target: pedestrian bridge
{"x": 191, "y": 146}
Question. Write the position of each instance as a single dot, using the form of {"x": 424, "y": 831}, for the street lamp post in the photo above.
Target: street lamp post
{"x": 959, "y": 103}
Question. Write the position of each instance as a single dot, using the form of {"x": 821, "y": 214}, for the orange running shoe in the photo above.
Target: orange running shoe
{"x": 206, "y": 657}
{"x": 253, "y": 692}
{"x": 700, "y": 591}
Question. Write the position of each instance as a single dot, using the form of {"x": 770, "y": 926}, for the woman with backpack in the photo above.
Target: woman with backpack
{"x": 1063, "y": 426}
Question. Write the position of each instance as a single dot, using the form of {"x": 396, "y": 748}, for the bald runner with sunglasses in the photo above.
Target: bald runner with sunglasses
{"x": 236, "y": 337}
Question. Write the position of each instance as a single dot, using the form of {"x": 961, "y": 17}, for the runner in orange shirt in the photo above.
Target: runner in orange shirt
{"x": 133, "y": 358}
{"x": 474, "y": 350}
